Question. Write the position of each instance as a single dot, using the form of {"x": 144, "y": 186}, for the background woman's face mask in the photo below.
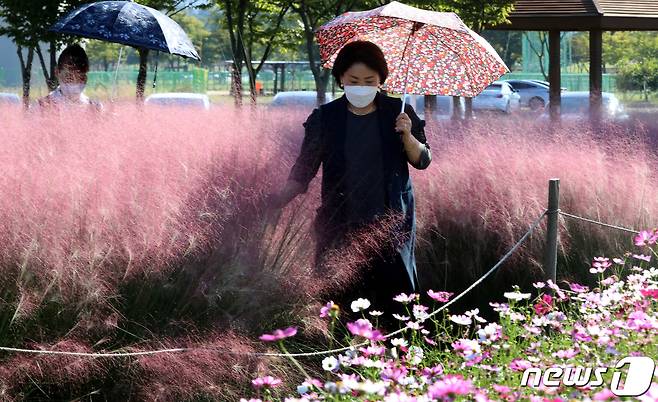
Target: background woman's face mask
{"x": 360, "y": 96}
{"x": 72, "y": 90}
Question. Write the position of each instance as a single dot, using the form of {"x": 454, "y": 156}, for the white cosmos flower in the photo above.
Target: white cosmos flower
{"x": 461, "y": 319}
{"x": 399, "y": 342}
{"x": 360, "y": 305}
{"x": 516, "y": 295}
{"x": 376, "y": 313}
{"x": 401, "y": 317}
{"x": 330, "y": 363}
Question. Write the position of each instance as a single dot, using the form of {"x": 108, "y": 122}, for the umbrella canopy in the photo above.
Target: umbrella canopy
{"x": 127, "y": 23}
{"x": 428, "y": 53}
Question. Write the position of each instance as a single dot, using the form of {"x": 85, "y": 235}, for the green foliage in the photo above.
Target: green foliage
{"x": 507, "y": 44}
{"x": 635, "y": 54}
{"x": 477, "y": 14}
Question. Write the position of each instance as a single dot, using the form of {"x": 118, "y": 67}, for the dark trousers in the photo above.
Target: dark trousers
{"x": 380, "y": 282}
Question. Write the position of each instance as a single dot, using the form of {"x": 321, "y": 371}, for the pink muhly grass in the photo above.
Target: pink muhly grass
{"x": 488, "y": 182}
{"x": 22, "y": 370}
{"x": 216, "y": 369}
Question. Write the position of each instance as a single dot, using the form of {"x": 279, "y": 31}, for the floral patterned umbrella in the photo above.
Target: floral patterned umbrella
{"x": 428, "y": 53}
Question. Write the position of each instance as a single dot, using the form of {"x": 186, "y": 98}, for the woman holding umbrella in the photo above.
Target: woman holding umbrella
{"x": 364, "y": 145}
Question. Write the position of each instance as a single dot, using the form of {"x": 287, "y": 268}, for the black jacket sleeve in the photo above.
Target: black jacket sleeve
{"x": 308, "y": 162}
{"x": 418, "y": 131}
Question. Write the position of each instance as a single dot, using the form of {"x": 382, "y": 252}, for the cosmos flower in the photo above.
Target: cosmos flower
{"x": 441, "y": 297}
{"x": 360, "y": 305}
{"x": 450, "y": 386}
{"x": 279, "y": 334}
{"x": 266, "y": 382}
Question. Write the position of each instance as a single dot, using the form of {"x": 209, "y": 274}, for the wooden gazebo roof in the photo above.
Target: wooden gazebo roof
{"x": 583, "y": 15}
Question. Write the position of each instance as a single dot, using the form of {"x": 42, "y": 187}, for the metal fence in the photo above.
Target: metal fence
{"x": 194, "y": 80}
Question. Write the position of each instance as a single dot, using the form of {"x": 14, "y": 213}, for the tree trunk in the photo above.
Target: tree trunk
{"x": 141, "y": 77}
{"x": 236, "y": 86}
{"x": 49, "y": 70}
{"x": 456, "y": 108}
{"x": 26, "y": 73}
{"x": 468, "y": 109}
{"x": 321, "y": 83}
{"x": 54, "y": 82}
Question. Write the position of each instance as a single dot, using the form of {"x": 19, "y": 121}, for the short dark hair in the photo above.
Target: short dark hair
{"x": 360, "y": 51}
{"x": 75, "y": 57}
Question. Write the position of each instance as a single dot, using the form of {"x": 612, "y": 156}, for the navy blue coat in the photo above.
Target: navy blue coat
{"x": 323, "y": 145}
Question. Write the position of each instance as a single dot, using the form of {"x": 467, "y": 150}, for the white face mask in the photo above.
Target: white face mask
{"x": 360, "y": 96}
{"x": 72, "y": 91}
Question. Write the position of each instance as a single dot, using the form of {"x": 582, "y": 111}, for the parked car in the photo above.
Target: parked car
{"x": 534, "y": 94}
{"x": 498, "y": 96}
{"x": 186, "y": 100}
{"x": 444, "y": 106}
{"x": 575, "y": 105}
{"x": 9, "y": 99}
{"x": 305, "y": 99}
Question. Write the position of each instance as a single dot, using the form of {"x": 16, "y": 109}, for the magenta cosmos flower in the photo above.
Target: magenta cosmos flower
{"x": 441, "y": 297}
{"x": 646, "y": 238}
{"x": 363, "y": 327}
{"x": 279, "y": 334}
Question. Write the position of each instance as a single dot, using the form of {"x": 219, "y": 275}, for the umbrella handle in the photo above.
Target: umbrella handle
{"x": 404, "y": 99}
{"x": 155, "y": 75}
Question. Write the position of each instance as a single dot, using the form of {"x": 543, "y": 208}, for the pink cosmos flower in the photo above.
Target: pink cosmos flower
{"x": 605, "y": 395}
{"x": 279, "y": 334}
{"x": 373, "y": 351}
{"x": 520, "y": 365}
{"x": 441, "y": 297}
{"x": 599, "y": 265}
{"x": 646, "y": 238}
{"x": 575, "y": 287}
{"x": 480, "y": 396}
{"x": 363, "y": 327}
{"x": 266, "y": 382}
{"x": 501, "y": 388}
{"x": 429, "y": 341}
{"x": 449, "y": 386}
{"x": 642, "y": 257}
{"x": 326, "y": 309}
{"x": 431, "y": 372}
{"x": 394, "y": 373}
{"x": 565, "y": 354}
{"x": 399, "y": 397}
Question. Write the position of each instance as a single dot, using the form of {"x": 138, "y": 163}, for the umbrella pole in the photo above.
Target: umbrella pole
{"x": 414, "y": 28}
{"x": 155, "y": 74}
{"x": 116, "y": 74}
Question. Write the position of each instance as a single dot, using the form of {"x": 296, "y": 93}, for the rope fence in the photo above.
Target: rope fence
{"x": 550, "y": 266}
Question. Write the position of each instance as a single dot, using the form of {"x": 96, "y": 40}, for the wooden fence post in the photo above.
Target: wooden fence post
{"x": 550, "y": 260}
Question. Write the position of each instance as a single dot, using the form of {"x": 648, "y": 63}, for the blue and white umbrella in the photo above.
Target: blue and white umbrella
{"x": 127, "y": 23}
